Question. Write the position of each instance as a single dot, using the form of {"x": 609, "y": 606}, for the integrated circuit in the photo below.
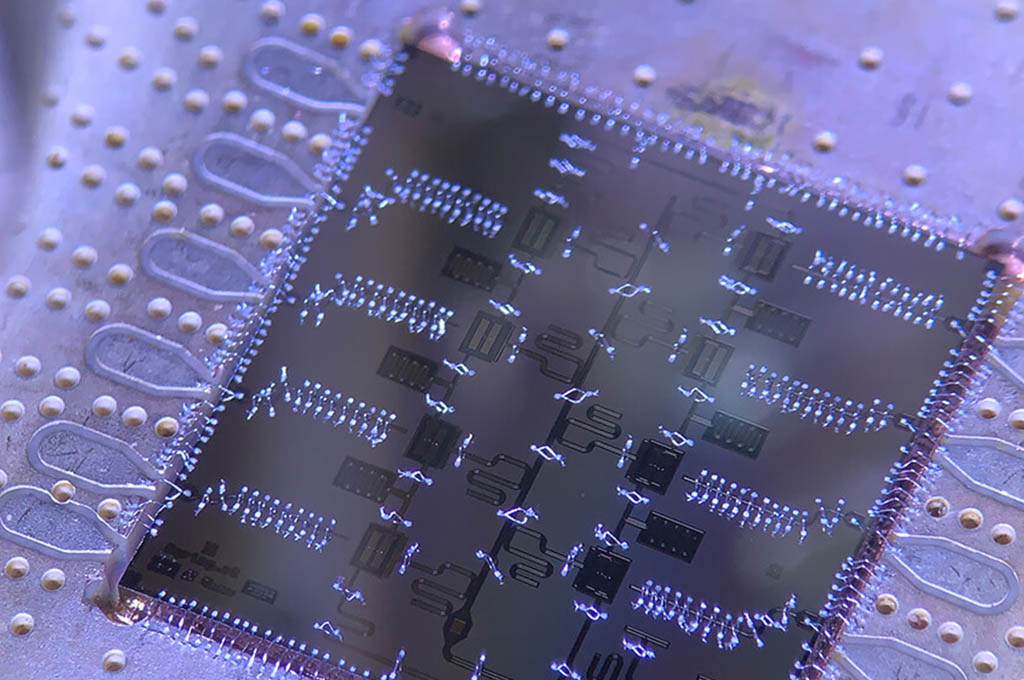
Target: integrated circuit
{"x": 365, "y": 479}
{"x": 433, "y": 441}
{"x": 654, "y": 466}
{"x": 735, "y": 434}
{"x": 379, "y": 550}
{"x": 473, "y": 269}
{"x": 622, "y": 428}
{"x": 602, "y": 574}
{"x": 670, "y": 536}
{"x": 487, "y": 337}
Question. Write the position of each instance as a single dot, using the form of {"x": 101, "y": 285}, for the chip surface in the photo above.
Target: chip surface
{"x": 571, "y": 404}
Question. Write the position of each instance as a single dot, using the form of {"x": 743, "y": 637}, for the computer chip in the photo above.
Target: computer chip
{"x": 602, "y": 574}
{"x": 645, "y": 434}
{"x": 654, "y": 466}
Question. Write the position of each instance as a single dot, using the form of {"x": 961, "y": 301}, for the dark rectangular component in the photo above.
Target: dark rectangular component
{"x": 259, "y": 591}
{"x": 364, "y": 479}
{"x": 408, "y": 368}
{"x": 776, "y": 322}
{"x": 601, "y": 574}
{"x": 763, "y": 254}
{"x": 487, "y": 336}
{"x": 471, "y": 268}
{"x": 484, "y": 152}
{"x": 433, "y": 442}
{"x": 736, "y": 434}
{"x": 654, "y": 466}
{"x": 671, "y": 536}
{"x": 379, "y": 551}
{"x": 708, "y": 360}
{"x": 536, "y": 232}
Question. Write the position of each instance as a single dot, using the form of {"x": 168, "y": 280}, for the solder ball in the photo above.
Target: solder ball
{"x": 159, "y": 308}
{"x": 312, "y": 24}
{"x": 164, "y": 211}
{"x": 129, "y": 58}
{"x": 985, "y": 662}
{"x": 18, "y": 286}
{"x": 886, "y": 604}
{"x": 293, "y": 131}
{"x": 271, "y": 239}
{"x": 109, "y": 509}
{"x": 1011, "y": 209}
{"x": 189, "y": 322}
{"x": 216, "y": 333}
{"x": 22, "y": 623}
{"x": 150, "y": 157}
{"x": 97, "y": 36}
{"x": 210, "y": 56}
{"x": 951, "y": 632}
{"x": 66, "y": 17}
{"x": 196, "y": 100}
{"x": 57, "y": 157}
{"x": 93, "y": 176}
{"x": 11, "y": 410}
{"x": 262, "y": 120}
{"x": 16, "y": 567}
{"x": 58, "y": 298}
{"x": 120, "y": 274}
{"x": 644, "y": 75}
{"x": 234, "y": 101}
{"x": 1007, "y": 10}
{"x": 988, "y": 408}
{"x": 53, "y": 579}
{"x": 164, "y": 78}
{"x": 1017, "y": 419}
{"x": 51, "y": 406}
{"x": 174, "y": 184}
{"x": 915, "y": 175}
{"x": 919, "y": 618}
{"x": 242, "y": 226}
{"x": 871, "y": 57}
{"x": 186, "y": 28}
{"x": 49, "y": 238}
{"x": 84, "y": 257}
{"x": 960, "y": 93}
{"x": 272, "y": 10}
{"x": 557, "y": 38}
{"x": 319, "y": 142}
{"x": 97, "y": 310}
{"x": 67, "y": 377}
{"x": 134, "y": 416}
{"x": 371, "y": 49}
{"x": 62, "y": 491}
{"x": 1004, "y": 534}
{"x": 114, "y": 661}
{"x": 1015, "y": 637}
{"x": 28, "y": 366}
{"x": 127, "y": 193}
{"x": 115, "y": 136}
{"x": 341, "y": 36}
{"x": 166, "y": 427}
{"x": 211, "y": 214}
{"x": 104, "y": 405}
{"x": 825, "y": 141}
{"x": 971, "y": 518}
